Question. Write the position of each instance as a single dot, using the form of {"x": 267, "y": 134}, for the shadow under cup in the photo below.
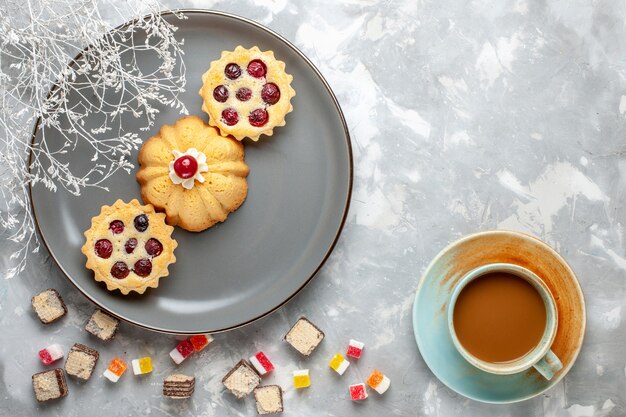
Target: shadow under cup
{"x": 540, "y": 357}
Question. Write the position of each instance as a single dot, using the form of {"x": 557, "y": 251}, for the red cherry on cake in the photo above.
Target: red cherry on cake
{"x": 244, "y": 94}
{"x": 153, "y": 247}
{"x": 130, "y": 245}
{"x": 116, "y": 226}
{"x": 230, "y": 116}
{"x": 258, "y": 117}
{"x": 220, "y": 93}
{"x": 257, "y": 68}
{"x": 232, "y": 71}
{"x": 186, "y": 166}
{"x": 104, "y": 248}
{"x": 119, "y": 270}
{"x": 270, "y": 93}
{"x": 143, "y": 267}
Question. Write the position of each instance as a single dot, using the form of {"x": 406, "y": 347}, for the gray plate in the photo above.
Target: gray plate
{"x": 268, "y": 250}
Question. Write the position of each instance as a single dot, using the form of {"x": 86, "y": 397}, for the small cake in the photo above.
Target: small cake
{"x": 304, "y": 336}
{"x": 269, "y": 399}
{"x": 50, "y": 385}
{"x": 115, "y": 370}
{"x": 49, "y": 306}
{"x": 129, "y": 248}
{"x": 142, "y": 366}
{"x": 247, "y": 93}
{"x": 51, "y": 354}
{"x": 178, "y": 386}
{"x": 102, "y": 325}
{"x": 241, "y": 380}
{"x": 81, "y": 361}
{"x": 193, "y": 174}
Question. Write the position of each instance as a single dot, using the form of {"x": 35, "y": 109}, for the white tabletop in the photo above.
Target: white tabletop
{"x": 492, "y": 115}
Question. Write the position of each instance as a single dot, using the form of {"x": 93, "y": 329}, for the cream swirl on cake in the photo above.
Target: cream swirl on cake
{"x": 187, "y": 167}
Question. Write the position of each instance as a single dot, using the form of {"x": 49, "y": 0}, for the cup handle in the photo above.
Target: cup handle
{"x": 548, "y": 365}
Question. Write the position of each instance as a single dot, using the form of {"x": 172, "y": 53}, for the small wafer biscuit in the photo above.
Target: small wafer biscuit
{"x": 304, "y": 336}
{"x": 269, "y": 399}
{"x": 50, "y": 385}
{"x": 81, "y": 361}
{"x": 178, "y": 386}
{"x": 49, "y": 306}
{"x": 102, "y": 325}
{"x": 242, "y": 379}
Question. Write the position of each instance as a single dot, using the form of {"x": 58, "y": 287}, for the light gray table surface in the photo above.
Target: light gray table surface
{"x": 464, "y": 116}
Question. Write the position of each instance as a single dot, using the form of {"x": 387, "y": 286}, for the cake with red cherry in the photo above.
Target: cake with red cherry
{"x": 247, "y": 93}
{"x": 193, "y": 174}
{"x": 129, "y": 247}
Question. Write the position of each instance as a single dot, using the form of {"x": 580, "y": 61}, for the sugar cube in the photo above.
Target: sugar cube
{"x": 301, "y": 378}
{"x": 51, "y": 354}
{"x": 357, "y": 392}
{"x": 142, "y": 366}
{"x": 339, "y": 364}
{"x": 261, "y": 363}
{"x": 355, "y": 349}
{"x": 378, "y": 381}
{"x": 115, "y": 370}
{"x": 200, "y": 341}
{"x": 181, "y": 351}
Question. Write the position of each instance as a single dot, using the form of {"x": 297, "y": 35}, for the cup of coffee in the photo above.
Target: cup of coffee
{"x": 503, "y": 320}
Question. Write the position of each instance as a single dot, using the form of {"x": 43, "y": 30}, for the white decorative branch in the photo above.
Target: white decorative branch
{"x": 53, "y": 52}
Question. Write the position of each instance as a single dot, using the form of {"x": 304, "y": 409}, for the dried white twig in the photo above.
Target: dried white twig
{"x": 38, "y": 39}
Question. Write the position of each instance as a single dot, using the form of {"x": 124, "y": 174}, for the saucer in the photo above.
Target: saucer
{"x": 430, "y": 320}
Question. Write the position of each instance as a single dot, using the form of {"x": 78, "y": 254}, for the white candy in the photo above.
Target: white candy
{"x": 138, "y": 364}
{"x": 259, "y": 366}
{"x": 176, "y": 356}
{"x": 112, "y": 377}
{"x": 342, "y": 367}
{"x": 356, "y": 344}
{"x": 136, "y": 367}
{"x": 355, "y": 348}
{"x": 56, "y": 351}
{"x": 383, "y": 386}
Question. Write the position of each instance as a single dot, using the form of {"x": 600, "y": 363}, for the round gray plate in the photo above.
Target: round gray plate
{"x": 238, "y": 271}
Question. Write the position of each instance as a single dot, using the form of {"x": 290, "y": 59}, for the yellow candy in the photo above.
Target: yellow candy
{"x": 336, "y": 361}
{"x": 301, "y": 378}
{"x": 339, "y": 364}
{"x": 142, "y": 365}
